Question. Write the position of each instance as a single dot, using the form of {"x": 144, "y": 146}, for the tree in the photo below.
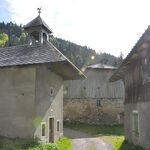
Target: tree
{"x": 3, "y": 39}
{"x": 120, "y": 59}
{"x": 23, "y": 38}
{"x": 11, "y": 34}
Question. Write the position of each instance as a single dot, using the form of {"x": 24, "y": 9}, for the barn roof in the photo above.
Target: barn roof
{"x": 38, "y": 21}
{"x": 39, "y": 54}
{"x": 135, "y": 53}
{"x": 101, "y": 66}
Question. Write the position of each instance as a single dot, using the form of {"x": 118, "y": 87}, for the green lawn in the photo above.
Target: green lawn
{"x": 113, "y": 134}
{"x": 96, "y": 129}
{"x": 29, "y": 144}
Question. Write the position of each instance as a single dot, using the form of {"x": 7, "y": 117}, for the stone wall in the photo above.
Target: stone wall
{"x": 103, "y": 111}
{"x": 81, "y": 98}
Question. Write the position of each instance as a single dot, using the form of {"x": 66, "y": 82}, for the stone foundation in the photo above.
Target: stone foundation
{"x": 103, "y": 111}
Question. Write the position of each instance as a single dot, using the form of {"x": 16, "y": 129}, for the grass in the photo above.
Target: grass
{"x": 29, "y": 144}
{"x": 64, "y": 144}
{"x": 96, "y": 129}
{"x": 113, "y": 134}
{"x": 119, "y": 143}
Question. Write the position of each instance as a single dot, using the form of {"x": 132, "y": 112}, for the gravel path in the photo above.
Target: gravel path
{"x": 82, "y": 141}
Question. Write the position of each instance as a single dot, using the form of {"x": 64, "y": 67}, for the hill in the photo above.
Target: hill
{"x": 12, "y": 34}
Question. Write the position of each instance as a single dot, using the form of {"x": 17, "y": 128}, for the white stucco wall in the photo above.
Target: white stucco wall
{"x": 143, "y": 109}
{"x": 48, "y": 105}
{"x": 25, "y": 101}
{"x": 17, "y": 101}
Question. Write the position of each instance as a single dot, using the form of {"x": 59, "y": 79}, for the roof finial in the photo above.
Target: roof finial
{"x": 39, "y": 10}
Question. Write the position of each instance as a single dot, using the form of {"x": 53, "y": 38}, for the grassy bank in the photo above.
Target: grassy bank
{"x": 113, "y": 134}
{"x": 29, "y": 144}
{"x": 119, "y": 143}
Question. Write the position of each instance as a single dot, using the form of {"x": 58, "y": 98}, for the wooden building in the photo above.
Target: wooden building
{"x": 95, "y": 99}
{"x": 135, "y": 73}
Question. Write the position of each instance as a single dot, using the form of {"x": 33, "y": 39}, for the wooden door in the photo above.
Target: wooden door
{"x": 51, "y": 130}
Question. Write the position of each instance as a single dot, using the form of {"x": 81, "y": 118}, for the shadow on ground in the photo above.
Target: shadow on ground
{"x": 75, "y": 134}
{"x": 125, "y": 146}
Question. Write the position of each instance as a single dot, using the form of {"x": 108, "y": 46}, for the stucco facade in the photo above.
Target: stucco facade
{"x": 31, "y": 86}
{"x": 26, "y": 101}
{"x": 47, "y": 104}
{"x": 95, "y": 99}
{"x": 17, "y": 98}
{"x": 143, "y": 137}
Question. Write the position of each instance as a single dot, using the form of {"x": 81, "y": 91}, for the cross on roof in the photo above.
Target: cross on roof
{"x": 39, "y": 10}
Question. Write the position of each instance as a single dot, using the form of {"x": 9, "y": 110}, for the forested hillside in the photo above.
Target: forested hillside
{"x": 11, "y": 34}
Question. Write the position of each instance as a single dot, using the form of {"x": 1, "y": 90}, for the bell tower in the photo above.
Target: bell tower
{"x": 38, "y": 30}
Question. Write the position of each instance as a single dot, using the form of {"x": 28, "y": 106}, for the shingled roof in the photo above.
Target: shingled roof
{"x": 101, "y": 66}
{"x": 142, "y": 44}
{"x": 39, "y": 54}
{"x": 26, "y": 54}
{"x": 38, "y": 21}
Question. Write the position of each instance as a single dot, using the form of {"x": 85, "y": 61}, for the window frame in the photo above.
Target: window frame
{"x": 58, "y": 125}
{"x": 98, "y": 103}
{"x": 135, "y": 122}
{"x": 43, "y": 137}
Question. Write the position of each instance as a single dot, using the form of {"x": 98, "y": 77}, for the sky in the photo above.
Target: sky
{"x": 110, "y": 26}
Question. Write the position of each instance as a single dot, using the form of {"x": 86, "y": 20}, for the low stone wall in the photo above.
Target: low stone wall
{"x": 97, "y": 111}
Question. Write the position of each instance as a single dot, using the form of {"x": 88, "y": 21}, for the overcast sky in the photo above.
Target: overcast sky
{"x": 111, "y": 26}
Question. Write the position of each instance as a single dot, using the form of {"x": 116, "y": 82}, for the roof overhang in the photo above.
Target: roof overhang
{"x": 67, "y": 70}
{"x": 136, "y": 53}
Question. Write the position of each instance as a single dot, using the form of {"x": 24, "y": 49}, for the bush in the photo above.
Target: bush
{"x": 47, "y": 146}
{"x": 64, "y": 143}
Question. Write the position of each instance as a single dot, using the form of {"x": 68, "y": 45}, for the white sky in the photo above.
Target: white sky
{"x": 109, "y": 26}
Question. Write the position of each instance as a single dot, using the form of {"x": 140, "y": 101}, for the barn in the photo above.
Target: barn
{"x": 94, "y": 99}
{"x": 135, "y": 74}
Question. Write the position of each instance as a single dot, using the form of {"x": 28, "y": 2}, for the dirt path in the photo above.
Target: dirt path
{"x": 82, "y": 141}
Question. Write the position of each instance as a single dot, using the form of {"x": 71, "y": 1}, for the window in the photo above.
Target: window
{"x": 44, "y": 37}
{"x": 98, "y": 103}
{"x": 43, "y": 129}
{"x": 35, "y": 36}
{"x": 51, "y": 91}
{"x": 135, "y": 123}
{"x": 58, "y": 125}
{"x": 66, "y": 91}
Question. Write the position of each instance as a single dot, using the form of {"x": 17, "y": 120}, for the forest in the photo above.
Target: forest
{"x": 12, "y": 34}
